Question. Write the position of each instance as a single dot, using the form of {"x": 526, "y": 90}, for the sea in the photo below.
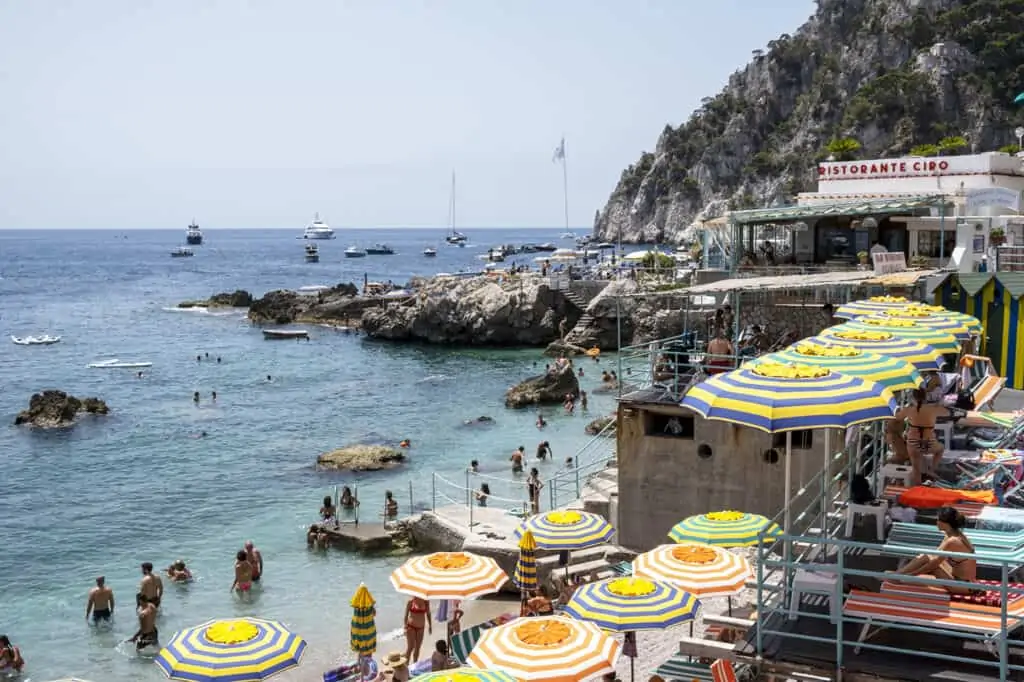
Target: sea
{"x": 140, "y": 484}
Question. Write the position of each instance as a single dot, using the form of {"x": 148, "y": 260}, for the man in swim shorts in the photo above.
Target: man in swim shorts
{"x": 243, "y": 573}
{"x": 256, "y": 559}
{"x": 151, "y": 586}
{"x": 101, "y": 602}
{"x": 147, "y": 635}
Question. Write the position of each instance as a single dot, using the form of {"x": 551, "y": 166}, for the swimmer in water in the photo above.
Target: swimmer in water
{"x": 213, "y": 396}
{"x": 100, "y": 604}
{"x": 139, "y": 375}
{"x": 147, "y": 634}
{"x": 243, "y": 573}
{"x": 10, "y": 656}
{"x": 151, "y": 587}
{"x": 269, "y": 378}
{"x": 178, "y": 573}
{"x": 195, "y": 397}
{"x": 199, "y": 358}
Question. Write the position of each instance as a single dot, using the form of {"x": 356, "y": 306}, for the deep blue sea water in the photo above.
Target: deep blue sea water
{"x": 137, "y": 485}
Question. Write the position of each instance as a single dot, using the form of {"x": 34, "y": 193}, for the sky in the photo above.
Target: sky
{"x": 148, "y": 113}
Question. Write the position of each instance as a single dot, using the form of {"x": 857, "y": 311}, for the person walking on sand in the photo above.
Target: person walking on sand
{"x": 151, "y": 586}
{"x": 243, "y": 573}
{"x": 255, "y": 557}
{"x": 100, "y": 603}
{"x": 417, "y": 616}
{"x": 533, "y": 486}
{"x": 147, "y": 634}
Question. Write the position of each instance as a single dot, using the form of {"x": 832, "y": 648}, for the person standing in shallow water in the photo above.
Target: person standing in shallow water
{"x": 243, "y": 573}
{"x": 10, "y": 656}
{"x": 255, "y": 558}
{"x": 151, "y": 586}
{"x": 147, "y": 634}
{"x": 100, "y": 603}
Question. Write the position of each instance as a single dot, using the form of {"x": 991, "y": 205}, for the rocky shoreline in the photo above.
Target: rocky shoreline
{"x": 507, "y": 311}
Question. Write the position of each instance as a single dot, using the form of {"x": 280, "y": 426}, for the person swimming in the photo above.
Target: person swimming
{"x": 195, "y": 397}
{"x": 178, "y": 572}
{"x": 10, "y": 656}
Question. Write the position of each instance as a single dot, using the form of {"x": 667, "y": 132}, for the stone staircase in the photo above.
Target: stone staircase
{"x": 576, "y": 299}
{"x": 599, "y": 494}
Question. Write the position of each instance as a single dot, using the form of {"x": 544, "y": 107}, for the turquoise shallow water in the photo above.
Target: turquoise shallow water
{"x": 138, "y": 486}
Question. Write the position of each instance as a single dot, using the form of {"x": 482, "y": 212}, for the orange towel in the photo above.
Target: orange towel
{"x": 926, "y": 497}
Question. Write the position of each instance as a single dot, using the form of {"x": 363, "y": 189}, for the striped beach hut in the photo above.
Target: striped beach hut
{"x": 997, "y": 299}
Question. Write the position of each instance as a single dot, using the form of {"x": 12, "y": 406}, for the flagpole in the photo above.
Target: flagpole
{"x": 565, "y": 184}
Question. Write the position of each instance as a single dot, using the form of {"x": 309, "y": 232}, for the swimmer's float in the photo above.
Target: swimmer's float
{"x": 593, "y": 352}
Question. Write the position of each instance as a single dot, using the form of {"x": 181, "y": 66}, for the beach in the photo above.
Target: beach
{"x": 140, "y": 484}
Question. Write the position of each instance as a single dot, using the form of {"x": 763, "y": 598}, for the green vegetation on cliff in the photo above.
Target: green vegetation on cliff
{"x": 859, "y": 80}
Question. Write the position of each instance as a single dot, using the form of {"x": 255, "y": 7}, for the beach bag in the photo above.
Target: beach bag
{"x": 964, "y": 400}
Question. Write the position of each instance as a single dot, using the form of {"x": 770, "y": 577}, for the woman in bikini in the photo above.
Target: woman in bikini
{"x": 951, "y": 522}
{"x": 417, "y": 616}
{"x": 10, "y": 656}
{"x": 920, "y": 417}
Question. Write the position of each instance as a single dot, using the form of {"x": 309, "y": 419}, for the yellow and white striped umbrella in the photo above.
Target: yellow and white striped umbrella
{"x": 448, "y": 575}
{"x": 546, "y": 649}
{"x": 702, "y": 570}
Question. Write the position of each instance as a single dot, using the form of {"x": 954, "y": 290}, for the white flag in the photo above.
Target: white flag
{"x": 559, "y": 152}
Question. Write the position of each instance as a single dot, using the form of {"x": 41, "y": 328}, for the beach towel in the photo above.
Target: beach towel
{"x": 927, "y": 497}
{"x": 350, "y": 671}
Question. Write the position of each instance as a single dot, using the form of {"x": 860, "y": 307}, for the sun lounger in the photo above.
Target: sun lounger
{"x": 463, "y": 642}
{"x": 893, "y": 493}
{"x": 924, "y": 606}
{"x": 986, "y": 390}
{"x": 682, "y": 669}
{"x": 923, "y": 535}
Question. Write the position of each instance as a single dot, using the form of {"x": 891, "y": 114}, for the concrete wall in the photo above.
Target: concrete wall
{"x": 587, "y": 289}
{"x": 662, "y": 480}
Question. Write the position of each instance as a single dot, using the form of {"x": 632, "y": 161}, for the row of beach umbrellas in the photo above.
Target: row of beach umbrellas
{"x": 665, "y": 591}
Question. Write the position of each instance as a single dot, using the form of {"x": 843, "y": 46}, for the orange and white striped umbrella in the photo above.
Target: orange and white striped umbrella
{"x": 546, "y": 648}
{"x": 448, "y": 575}
{"x": 702, "y": 570}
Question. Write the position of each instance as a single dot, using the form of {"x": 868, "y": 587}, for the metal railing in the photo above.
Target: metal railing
{"x": 450, "y": 493}
{"x": 567, "y": 484}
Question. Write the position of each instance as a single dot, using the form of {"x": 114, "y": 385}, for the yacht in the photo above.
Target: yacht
{"x": 193, "y": 235}
{"x": 429, "y": 252}
{"x": 312, "y": 253}
{"x": 44, "y": 340}
{"x": 567, "y": 235}
{"x": 546, "y": 246}
{"x": 182, "y": 252}
{"x": 380, "y": 250}
{"x": 354, "y": 252}
{"x": 318, "y": 229}
{"x": 454, "y": 237}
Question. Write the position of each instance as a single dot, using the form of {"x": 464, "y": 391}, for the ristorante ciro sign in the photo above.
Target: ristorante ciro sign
{"x": 883, "y": 169}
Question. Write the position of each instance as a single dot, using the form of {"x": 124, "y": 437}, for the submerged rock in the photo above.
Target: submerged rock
{"x": 361, "y": 458}
{"x": 546, "y": 389}
{"x": 482, "y": 420}
{"x": 598, "y": 425}
{"x": 56, "y": 408}
{"x": 240, "y": 298}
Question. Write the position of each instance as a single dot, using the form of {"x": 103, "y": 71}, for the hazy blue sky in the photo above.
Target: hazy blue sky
{"x": 256, "y": 114}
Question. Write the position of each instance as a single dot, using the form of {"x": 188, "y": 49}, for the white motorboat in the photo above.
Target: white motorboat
{"x": 567, "y": 235}
{"x": 193, "y": 235}
{"x": 182, "y": 252}
{"x": 44, "y": 340}
{"x": 318, "y": 229}
{"x": 429, "y": 252}
{"x": 354, "y": 252}
{"x": 312, "y": 253}
{"x": 285, "y": 334}
{"x": 114, "y": 363}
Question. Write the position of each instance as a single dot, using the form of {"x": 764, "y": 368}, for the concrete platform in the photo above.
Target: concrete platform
{"x": 363, "y": 537}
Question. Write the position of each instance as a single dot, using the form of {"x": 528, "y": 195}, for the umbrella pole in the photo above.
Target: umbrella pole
{"x": 787, "y": 514}
{"x": 826, "y": 481}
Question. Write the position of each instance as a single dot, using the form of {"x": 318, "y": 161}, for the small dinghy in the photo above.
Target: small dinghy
{"x": 44, "y": 340}
{"x": 114, "y": 363}
{"x": 285, "y": 334}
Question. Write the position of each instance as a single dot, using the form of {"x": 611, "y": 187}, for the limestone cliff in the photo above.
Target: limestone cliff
{"x": 862, "y": 78}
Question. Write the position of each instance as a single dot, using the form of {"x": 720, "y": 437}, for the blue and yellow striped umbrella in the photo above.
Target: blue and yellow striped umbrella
{"x": 466, "y": 675}
{"x": 957, "y": 329}
{"x": 566, "y": 530}
{"x": 632, "y": 604}
{"x": 920, "y": 355}
{"x": 525, "y": 575}
{"x": 364, "y": 627}
{"x": 905, "y": 329}
{"x": 242, "y": 650}
{"x": 725, "y": 529}
{"x": 893, "y": 373}
{"x": 858, "y": 309}
{"x": 777, "y": 398}
{"x": 972, "y": 323}
{"x": 871, "y": 306}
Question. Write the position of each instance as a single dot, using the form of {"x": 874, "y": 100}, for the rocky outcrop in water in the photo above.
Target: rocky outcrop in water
{"x": 480, "y": 311}
{"x": 598, "y": 425}
{"x": 361, "y": 458}
{"x": 340, "y": 305}
{"x": 51, "y": 409}
{"x": 239, "y": 298}
{"x": 892, "y": 76}
{"x": 549, "y": 388}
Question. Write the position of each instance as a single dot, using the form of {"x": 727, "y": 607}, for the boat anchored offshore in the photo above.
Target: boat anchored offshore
{"x": 44, "y": 340}
{"x": 380, "y": 250}
{"x": 114, "y": 363}
{"x": 277, "y": 334}
{"x": 182, "y": 252}
{"x": 354, "y": 252}
{"x": 318, "y": 229}
{"x": 312, "y": 253}
{"x": 429, "y": 252}
{"x": 193, "y": 235}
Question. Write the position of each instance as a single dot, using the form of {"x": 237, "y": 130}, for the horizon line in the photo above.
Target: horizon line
{"x": 299, "y": 229}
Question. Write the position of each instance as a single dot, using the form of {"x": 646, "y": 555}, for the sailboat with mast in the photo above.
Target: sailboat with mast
{"x": 454, "y": 237}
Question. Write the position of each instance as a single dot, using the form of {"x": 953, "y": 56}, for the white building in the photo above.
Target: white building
{"x": 920, "y": 206}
